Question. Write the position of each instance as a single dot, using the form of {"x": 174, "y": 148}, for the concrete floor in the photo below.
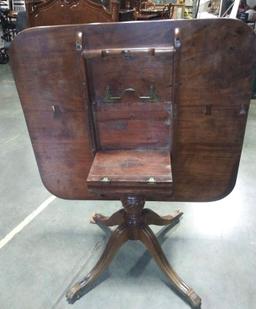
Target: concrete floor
{"x": 213, "y": 248}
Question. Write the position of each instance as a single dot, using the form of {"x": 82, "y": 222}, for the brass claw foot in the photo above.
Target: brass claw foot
{"x": 98, "y": 218}
{"x": 118, "y": 237}
{"x": 73, "y": 294}
{"x": 194, "y": 299}
{"x": 147, "y": 237}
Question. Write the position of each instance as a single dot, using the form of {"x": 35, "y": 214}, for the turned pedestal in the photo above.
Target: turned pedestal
{"x": 133, "y": 224}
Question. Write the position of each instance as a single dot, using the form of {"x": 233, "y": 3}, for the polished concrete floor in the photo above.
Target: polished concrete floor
{"x": 213, "y": 248}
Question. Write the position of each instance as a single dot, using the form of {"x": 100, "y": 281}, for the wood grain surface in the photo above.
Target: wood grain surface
{"x": 115, "y": 173}
{"x": 209, "y": 95}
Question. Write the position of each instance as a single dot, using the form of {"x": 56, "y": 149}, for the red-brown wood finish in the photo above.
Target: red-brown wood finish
{"x": 144, "y": 117}
{"x": 64, "y": 12}
{"x": 133, "y": 224}
{"x": 207, "y": 84}
{"x": 131, "y": 166}
{"x": 120, "y": 172}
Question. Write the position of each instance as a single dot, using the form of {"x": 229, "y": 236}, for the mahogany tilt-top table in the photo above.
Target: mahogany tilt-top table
{"x": 135, "y": 112}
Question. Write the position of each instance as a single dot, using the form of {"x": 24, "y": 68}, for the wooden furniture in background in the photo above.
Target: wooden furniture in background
{"x": 168, "y": 125}
{"x": 62, "y": 12}
{"x": 178, "y": 11}
{"x": 126, "y": 14}
{"x": 149, "y": 10}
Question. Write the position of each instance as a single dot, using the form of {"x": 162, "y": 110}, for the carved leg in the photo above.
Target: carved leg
{"x": 118, "y": 237}
{"x": 116, "y": 219}
{"x": 134, "y": 226}
{"x": 152, "y": 217}
{"x": 147, "y": 237}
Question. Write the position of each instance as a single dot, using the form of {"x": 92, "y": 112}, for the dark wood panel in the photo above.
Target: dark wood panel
{"x": 139, "y": 72}
{"x": 145, "y": 172}
{"x": 131, "y": 165}
{"x": 210, "y": 103}
{"x": 133, "y": 121}
{"x": 140, "y": 125}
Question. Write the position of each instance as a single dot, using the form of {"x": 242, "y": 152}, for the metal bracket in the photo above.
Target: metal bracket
{"x": 79, "y": 40}
{"x": 105, "y": 179}
{"x": 127, "y": 52}
{"x": 243, "y": 110}
{"x": 56, "y": 111}
{"x": 151, "y": 180}
{"x": 109, "y": 98}
{"x": 177, "y": 41}
{"x": 207, "y": 109}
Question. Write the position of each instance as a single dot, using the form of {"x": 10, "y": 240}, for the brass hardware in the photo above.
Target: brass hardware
{"x": 127, "y": 52}
{"x": 177, "y": 42}
{"x": 56, "y": 110}
{"x": 151, "y": 180}
{"x": 79, "y": 40}
{"x": 109, "y": 98}
{"x": 104, "y": 53}
{"x": 207, "y": 109}
{"x": 243, "y": 110}
{"x": 105, "y": 179}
